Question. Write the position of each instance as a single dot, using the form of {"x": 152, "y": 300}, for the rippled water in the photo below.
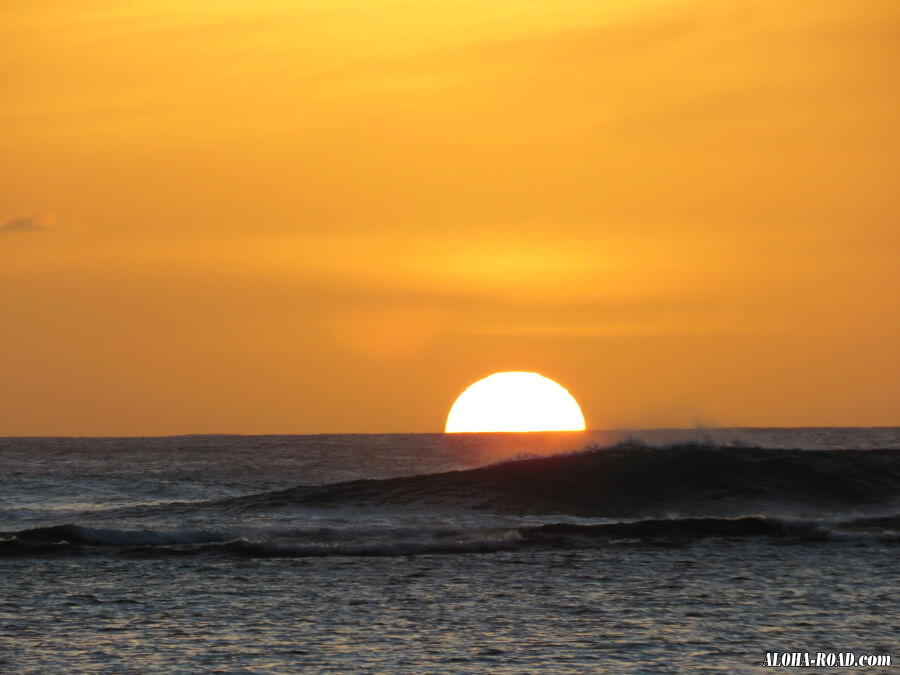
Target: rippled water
{"x": 201, "y": 554}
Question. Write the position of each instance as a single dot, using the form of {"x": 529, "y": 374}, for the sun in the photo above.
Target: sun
{"x": 515, "y": 401}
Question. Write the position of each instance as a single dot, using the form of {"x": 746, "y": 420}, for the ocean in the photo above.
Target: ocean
{"x": 607, "y": 552}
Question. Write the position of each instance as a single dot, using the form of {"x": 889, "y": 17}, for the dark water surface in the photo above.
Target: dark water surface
{"x": 686, "y": 552}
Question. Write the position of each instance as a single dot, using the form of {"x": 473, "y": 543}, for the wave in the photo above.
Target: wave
{"x": 632, "y": 480}
{"x": 76, "y": 540}
{"x": 672, "y": 496}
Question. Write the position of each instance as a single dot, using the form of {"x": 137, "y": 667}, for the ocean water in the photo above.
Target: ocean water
{"x": 648, "y": 552}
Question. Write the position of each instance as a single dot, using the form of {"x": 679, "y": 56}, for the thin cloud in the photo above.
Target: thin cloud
{"x": 24, "y": 224}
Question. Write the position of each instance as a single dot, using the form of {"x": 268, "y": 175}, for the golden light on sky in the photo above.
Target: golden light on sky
{"x": 324, "y": 216}
{"x": 516, "y": 401}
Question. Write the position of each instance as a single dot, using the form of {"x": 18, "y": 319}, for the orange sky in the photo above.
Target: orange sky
{"x": 334, "y": 216}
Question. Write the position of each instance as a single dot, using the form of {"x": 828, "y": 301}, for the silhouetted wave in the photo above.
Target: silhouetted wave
{"x": 633, "y": 481}
{"x": 624, "y": 495}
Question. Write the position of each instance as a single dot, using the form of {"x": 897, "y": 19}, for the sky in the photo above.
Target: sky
{"x": 333, "y": 216}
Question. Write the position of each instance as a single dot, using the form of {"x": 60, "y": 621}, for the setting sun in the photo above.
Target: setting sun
{"x": 515, "y": 401}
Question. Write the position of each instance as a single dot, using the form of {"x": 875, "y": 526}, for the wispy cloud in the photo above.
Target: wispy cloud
{"x": 24, "y": 224}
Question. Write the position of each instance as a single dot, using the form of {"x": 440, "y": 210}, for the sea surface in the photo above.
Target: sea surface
{"x": 607, "y": 552}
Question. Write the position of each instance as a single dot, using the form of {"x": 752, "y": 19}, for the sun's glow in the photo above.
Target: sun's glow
{"x": 515, "y": 401}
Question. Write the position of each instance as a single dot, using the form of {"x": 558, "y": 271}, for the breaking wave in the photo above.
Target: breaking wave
{"x": 77, "y": 540}
{"x": 628, "y": 494}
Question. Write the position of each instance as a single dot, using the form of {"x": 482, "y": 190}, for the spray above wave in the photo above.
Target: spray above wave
{"x": 632, "y": 480}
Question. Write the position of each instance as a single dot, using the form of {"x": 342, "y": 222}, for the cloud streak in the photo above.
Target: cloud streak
{"x": 23, "y": 224}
